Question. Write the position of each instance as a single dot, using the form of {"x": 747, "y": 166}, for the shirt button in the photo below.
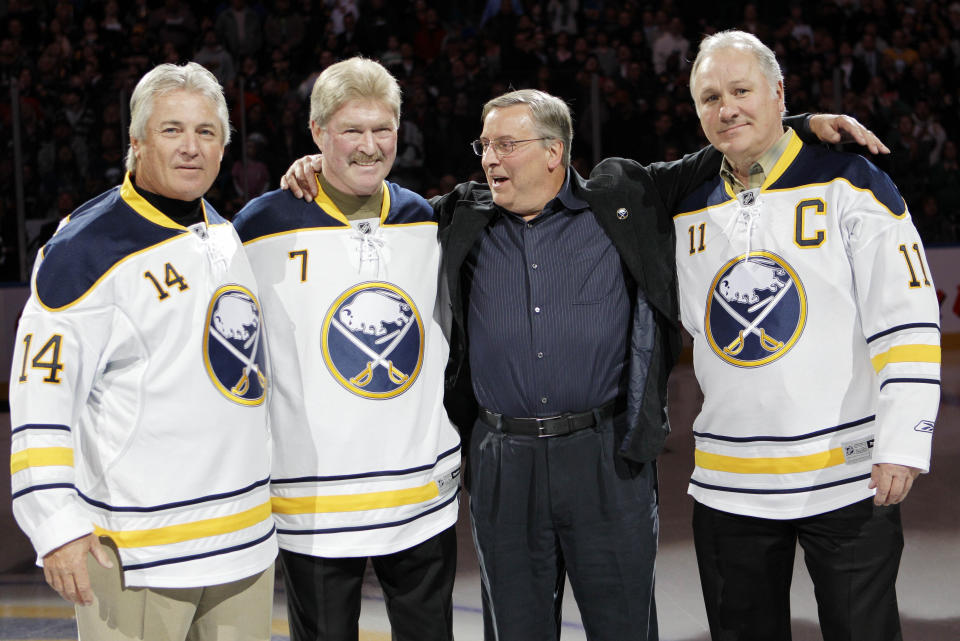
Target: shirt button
{"x": 536, "y": 310}
{"x": 543, "y": 400}
{"x": 529, "y": 225}
{"x": 539, "y": 354}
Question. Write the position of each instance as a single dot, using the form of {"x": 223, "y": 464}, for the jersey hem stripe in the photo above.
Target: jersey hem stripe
{"x": 781, "y": 439}
{"x": 204, "y": 555}
{"x": 377, "y": 526}
{"x": 355, "y": 502}
{"x": 366, "y": 475}
{"x": 176, "y": 504}
{"x": 188, "y": 531}
{"x": 797, "y": 490}
{"x": 769, "y": 465}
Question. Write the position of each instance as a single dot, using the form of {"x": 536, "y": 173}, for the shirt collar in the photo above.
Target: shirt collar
{"x": 760, "y": 169}
{"x": 566, "y": 199}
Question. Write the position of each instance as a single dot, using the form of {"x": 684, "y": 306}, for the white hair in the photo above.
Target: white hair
{"x": 734, "y": 39}
{"x": 163, "y": 79}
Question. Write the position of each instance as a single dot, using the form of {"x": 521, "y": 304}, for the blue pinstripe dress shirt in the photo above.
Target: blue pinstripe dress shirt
{"x": 549, "y": 312}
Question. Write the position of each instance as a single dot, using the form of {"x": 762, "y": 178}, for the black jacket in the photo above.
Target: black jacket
{"x": 633, "y": 205}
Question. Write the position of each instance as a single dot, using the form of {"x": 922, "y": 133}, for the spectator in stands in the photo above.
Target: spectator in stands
{"x": 174, "y": 22}
{"x": 216, "y": 58}
{"x": 105, "y": 46}
{"x": 671, "y": 45}
{"x": 238, "y": 27}
{"x": 284, "y": 27}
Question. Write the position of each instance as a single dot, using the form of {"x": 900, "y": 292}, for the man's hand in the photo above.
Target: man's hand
{"x": 65, "y": 569}
{"x": 833, "y": 129}
{"x": 892, "y": 481}
{"x": 300, "y": 179}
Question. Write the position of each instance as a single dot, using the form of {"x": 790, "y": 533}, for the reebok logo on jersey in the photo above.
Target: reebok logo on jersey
{"x": 756, "y": 310}
{"x": 924, "y": 426}
{"x": 232, "y": 349}
{"x": 372, "y": 340}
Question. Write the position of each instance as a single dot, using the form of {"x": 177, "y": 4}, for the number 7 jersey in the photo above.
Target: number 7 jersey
{"x": 366, "y": 461}
{"x": 816, "y": 335}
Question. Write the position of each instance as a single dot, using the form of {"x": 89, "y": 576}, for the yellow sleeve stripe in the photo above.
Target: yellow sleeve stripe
{"x": 906, "y": 354}
{"x": 355, "y": 502}
{"x": 187, "y": 531}
{"x": 40, "y": 457}
{"x": 782, "y": 465}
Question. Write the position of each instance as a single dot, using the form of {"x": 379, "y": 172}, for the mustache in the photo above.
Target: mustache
{"x": 359, "y": 156}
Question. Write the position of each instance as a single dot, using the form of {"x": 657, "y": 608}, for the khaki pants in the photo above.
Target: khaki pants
{"x": 237, "y": 611}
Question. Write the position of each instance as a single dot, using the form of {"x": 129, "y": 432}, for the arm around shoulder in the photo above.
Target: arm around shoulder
{"x": 444, "y": 206}
{"x": 674, "y": 180}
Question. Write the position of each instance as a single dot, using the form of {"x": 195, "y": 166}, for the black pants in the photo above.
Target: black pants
{"x": 852, "y": 554}
{"x": 323, "y": 594}
{"x": 544, "y": 507}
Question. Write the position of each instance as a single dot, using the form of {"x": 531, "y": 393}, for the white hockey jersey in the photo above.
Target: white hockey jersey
{"x": 816, "y": 335}
{"x": 137, "y": 396}
{"x": 366, "y": 461}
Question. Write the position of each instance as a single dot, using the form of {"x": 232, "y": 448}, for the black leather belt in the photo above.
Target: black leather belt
{"x": 548, "y": 426}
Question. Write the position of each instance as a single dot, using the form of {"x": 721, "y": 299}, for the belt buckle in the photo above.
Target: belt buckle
{"x": 541, "y": 426}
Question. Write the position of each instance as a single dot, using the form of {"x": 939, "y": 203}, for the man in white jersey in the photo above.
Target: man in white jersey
{"x": 140, "y": 448}
{"x": 366, "y": 463}
{"x": 816, "y": 343}
{"x": 520, "y": 570}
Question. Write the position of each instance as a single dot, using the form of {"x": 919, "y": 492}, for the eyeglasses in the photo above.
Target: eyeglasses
{"x": 502, "y": 146}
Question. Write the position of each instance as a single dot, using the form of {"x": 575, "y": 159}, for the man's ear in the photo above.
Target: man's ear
{"x": 317, "y": 132}
{"x": 555, "y": 158}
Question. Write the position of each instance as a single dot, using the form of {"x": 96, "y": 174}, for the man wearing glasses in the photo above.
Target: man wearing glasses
{"x": 563, "y": 297}
{"x": 563, "y": 294}
{"x": 563, "y": 289}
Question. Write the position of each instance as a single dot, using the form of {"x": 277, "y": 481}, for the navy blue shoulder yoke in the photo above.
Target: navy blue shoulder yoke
{"x": 817, "y": 165}
{"x": 97, "y": 236}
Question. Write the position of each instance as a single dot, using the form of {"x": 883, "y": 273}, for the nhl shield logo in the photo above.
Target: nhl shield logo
{"x": 232, "y": 346}
{"x": 756, "y": 310}
{"x": 373, "y": 340}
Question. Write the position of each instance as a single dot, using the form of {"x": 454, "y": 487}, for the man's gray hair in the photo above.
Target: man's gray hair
{"x": 163, "y": 79}
{"x": 356, "y": 78}
{"x": 551, "y": 116}
{"x": 734, "y": 39}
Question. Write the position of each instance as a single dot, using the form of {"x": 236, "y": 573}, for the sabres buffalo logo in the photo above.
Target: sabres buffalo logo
{"x": 373, "y": 340}
{"x": 756, "y": 310}
{"x": 232, "y": 345}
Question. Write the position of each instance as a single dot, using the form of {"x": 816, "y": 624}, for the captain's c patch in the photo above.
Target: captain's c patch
{"x": 756, "y": 309}
{"x": 232, "y": 347}
{"x": 372, "y": 340}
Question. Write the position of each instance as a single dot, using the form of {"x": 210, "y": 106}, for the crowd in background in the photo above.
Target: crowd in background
{"x": 892, "y": 65}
